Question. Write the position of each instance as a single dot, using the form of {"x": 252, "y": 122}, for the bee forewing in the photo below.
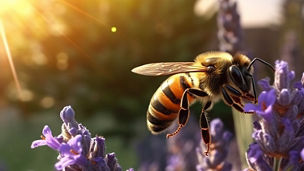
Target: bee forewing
{"x": 167, "y": 68}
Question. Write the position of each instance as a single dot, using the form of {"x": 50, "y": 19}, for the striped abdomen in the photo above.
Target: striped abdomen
{"x": 165, "y": 103}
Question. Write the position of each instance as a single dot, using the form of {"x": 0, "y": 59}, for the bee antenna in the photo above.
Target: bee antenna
{"x": 261, "y": 60}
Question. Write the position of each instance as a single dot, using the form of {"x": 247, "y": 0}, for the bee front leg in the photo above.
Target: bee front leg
{"x": 230, "y": 102}
{"x": 253, "y": 87}
{"x": 183, "y": 113}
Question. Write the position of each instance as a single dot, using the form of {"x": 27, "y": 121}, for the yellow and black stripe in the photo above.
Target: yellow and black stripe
{"x": 165, "y": 103}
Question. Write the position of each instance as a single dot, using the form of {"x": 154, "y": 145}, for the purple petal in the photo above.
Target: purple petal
{"x": 75, "y": 143}
{"x": 72, "y": 148}
{"x": 270, "y": 97}
{"x": 64, "y": 162}
{"x": 264, "y": 84}
{"x": 265, "y": 98}
{"x": 298, "y": 85}
{"x": 284, "y": 97}
{"x": 65, "y": 150}
{"x": 47, "y": 131}
{"x": 291, "y": 75}
{"x": 267, "y": 114}
{"x": 38, "y": 143}
{"x": 48, "y": 140}
{"x": 249, "y": 107}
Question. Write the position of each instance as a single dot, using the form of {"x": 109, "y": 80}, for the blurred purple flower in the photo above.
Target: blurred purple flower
{"x": 181, "y": 148}
{"x": 278, "y": 132}
{"x": 77, "y": 150}
{"x": 229, "y": 27}
{"x": 219, "y": 147}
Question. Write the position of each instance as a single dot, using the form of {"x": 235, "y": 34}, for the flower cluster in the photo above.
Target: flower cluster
{"x": 229, "y": 27}
{"x": 77, "y": 150}
{"x": 181, "y": 147}
{"x": 220, "y": 140}
{"x": 278, "y": 133}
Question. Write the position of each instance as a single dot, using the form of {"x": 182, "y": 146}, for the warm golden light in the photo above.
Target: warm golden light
{"x": 7, "y": 6}
{"x": 113, "y": 29}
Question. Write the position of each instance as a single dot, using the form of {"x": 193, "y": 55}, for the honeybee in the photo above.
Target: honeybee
{"x": 211, "y": 77}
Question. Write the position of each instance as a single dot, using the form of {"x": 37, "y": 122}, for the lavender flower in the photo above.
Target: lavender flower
{"x": 229, "y": 27}
{"x": 256, "y": 158}
{"x": 182, "y": 146}
{"x": 218, "y": 149}
{"x": 278, "y": 133}
{"x": 77, "y": 150}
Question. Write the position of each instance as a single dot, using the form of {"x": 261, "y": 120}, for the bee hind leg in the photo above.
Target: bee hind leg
{"x": 205, "y": 127}
{"x": 183, "y": 113}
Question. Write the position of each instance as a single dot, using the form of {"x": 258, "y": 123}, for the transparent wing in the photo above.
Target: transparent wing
{"x": 167, "y": 68}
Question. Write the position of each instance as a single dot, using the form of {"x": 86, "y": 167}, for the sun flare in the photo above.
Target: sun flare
{"x": 6, "y": 6}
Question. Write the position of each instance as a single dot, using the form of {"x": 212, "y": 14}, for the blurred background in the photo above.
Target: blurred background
{"x": 80, "y": 53}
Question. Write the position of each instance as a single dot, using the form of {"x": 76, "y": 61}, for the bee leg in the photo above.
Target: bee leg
{"x": 238, "y": 94}
{"x": 253, "y": 87}
{"x": 183, "y": 113}
{"x": 230, "y": 102}
{"x": 205, "y": 127}
{"x": 233, "y": 91}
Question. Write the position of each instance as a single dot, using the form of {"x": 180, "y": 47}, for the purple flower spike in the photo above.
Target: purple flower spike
{"x": 77, "y": 150}
{"x": 229, "y": 27}
{"x": 278, "y": 132}
{"x": 220, "y": 143}
{"x": 47, "y": 139}
{"x": 255, "y": 158}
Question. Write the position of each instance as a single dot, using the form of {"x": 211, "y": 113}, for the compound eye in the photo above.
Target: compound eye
{"x": 211, "y": 68}
{"x": 237, "y": 77}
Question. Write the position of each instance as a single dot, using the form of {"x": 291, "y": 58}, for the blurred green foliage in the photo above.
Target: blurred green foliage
{"x": 66, "y": 54}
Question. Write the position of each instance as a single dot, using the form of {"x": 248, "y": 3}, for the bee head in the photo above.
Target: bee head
{"x": 239, "y": 73}
{"x": 216, "y": 62}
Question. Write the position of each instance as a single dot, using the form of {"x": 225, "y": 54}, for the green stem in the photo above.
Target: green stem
{"x": 277, "y": 163}
{"x": 243, "y": 127}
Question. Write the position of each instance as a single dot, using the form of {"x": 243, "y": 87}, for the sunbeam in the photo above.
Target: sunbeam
{"x": 82, "y": 12}
{"x": 10, "y": 59}
{"x": 67, "y": 38}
